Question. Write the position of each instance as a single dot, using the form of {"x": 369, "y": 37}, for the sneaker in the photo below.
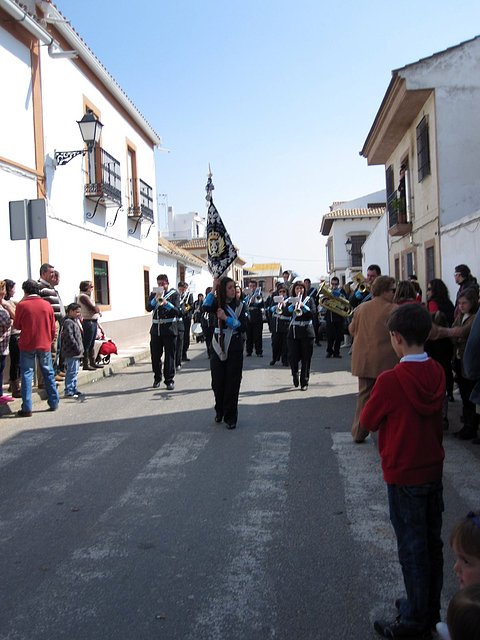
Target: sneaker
{"x": 398, "y": 629}
{"x": 170, "y": 386}
{"x": 304, "y": 387}
{"x": 6, "y": 399}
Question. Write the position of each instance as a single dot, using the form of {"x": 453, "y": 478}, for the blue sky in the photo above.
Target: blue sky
{"x": 277, "y": 97}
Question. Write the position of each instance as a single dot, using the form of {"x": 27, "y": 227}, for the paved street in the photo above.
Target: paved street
{"x": 133, "y": 515}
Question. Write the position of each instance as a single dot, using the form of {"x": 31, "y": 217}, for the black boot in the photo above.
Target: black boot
{"x": 85, "y": 365}
{"x": 467, "y": 432}
{"x": 91, "y": 359}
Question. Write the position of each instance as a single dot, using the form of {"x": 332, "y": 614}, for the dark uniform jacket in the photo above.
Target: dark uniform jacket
{"x": 210, "y": 305}
{"x": 254, "y": 308}
{"x": 165, "y": 317}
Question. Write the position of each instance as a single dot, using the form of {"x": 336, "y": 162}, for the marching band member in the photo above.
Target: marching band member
{"x": 373, "y": 271}
{"x": 254, "y": 303}
{"x": 335, "y": 322}
{"x": 313, "y": 293}
{"x": 186, "y": 306}
{"x": 226, "y": 360}
{"x": 279, "y": 324}
{"x": 208, "y": 324}
{"x": 286, "y": 279}
{"x": 164, "y": 304}
{"x": 300, "y": 335}
{"x": 181, "y": 331}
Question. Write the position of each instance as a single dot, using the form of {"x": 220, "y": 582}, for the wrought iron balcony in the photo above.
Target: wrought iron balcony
{"x": 145, "y": 208}
{"x": 106, "y": 187}
{"x": 398, "y": 225}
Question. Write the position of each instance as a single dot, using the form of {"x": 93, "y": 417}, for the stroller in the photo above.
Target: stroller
{"x": 103, "y": 347}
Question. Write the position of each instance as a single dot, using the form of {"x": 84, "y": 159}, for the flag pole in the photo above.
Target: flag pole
{"x": 209, "y": 198}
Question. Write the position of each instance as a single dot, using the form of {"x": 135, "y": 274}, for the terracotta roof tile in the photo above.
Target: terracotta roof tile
{"x": 342, "y": 214}
{"x": 179, "y": 252}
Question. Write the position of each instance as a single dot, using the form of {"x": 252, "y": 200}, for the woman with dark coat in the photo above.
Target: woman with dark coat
{"x": 441, "y": 309}
{"x": 465, "y": 280}
{"x": 226, "y": 359}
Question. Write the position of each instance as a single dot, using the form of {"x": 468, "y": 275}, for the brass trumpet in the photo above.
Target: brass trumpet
{"x": 159, "y": 295}
{"x": 338, "y": 305}
{"x": 361, "y": 282}
{"x": 298, "y": 310}
{"x": 281, "y": 302}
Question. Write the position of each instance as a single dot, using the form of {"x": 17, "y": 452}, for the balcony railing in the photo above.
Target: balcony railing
{"x": 145, "y": 209}
{"x": 107, "y": 187}
{"x": 398, "y": 225}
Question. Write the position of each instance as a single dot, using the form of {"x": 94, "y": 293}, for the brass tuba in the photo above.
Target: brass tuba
{"x": 327, "y": 300}
{"x": 361, "y": 282}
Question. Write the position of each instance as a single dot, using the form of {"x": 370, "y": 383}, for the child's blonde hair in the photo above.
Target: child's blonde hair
{"x": 463, "y": 614}
{"x": 466, "y": 534}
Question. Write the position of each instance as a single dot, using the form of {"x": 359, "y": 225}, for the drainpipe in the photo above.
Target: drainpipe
{"x": 29, "y": 23}
{"x": 36, "y": 30}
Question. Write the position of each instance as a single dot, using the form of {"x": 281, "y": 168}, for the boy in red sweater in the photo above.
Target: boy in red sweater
{"x": 405, "y": 407}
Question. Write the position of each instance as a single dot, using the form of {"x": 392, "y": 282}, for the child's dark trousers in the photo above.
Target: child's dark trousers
{"x": 416, "y": 516}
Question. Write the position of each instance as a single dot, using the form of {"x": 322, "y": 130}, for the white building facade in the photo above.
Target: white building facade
{"x": 101, "y": 218}
{"x": 426, "y": 134}
{"x": 349, "y": 226}
{"x": 185, "y": 226}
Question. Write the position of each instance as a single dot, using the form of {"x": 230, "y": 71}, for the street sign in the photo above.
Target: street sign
{"x": 28, "y": 219}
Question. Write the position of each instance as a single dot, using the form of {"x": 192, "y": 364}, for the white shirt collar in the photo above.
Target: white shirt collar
{"x": 415, "y": 357}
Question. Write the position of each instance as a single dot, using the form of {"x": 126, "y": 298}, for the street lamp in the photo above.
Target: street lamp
{"x": 348, "y": 246}
{"x": 90, "y": 129}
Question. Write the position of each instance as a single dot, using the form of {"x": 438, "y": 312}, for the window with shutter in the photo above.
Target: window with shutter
{"x": 423, "y": 149}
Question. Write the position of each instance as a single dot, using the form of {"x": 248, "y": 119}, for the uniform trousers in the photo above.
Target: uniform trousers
{"x": 187, "y": 323}
{"x": 300, "y": 351}
{"x": 254, "y": 337}
{"x": 159, "y": 344}
{"x": 334, "y": 337}
{"x": 226, "y": 379}
{"x": 208, "y": 333}
{"x": 279, "y": 347}
{"x": 365, "y": 386}
{"x": 179, "y": 345}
